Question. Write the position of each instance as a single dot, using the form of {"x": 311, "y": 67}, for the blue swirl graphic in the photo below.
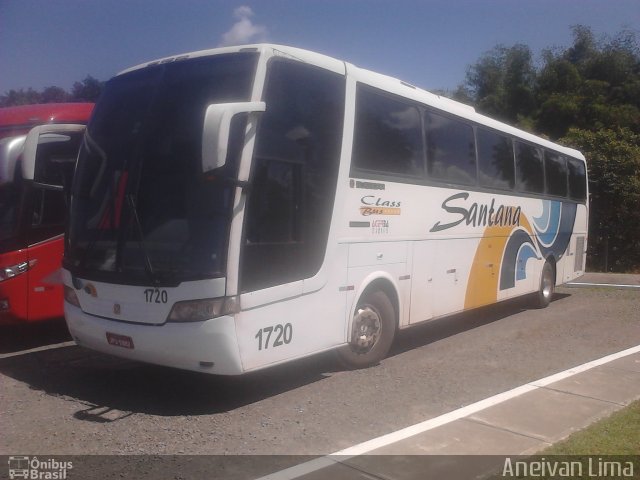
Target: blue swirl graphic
{"x": 552, "y": 236}
{"x": 542, "y": 222}
{"x": 551, "y": 212}
{"x": 508, "y": 268}
{"x": 526, "y": 252}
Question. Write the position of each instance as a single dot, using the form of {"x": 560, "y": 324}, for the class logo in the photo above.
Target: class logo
{"x": 374, "y": 205}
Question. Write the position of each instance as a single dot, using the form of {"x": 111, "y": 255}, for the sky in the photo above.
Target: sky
{"x": 428, "y": 43}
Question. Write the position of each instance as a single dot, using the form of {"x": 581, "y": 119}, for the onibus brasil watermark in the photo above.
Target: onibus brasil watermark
{"x": 596, "y": 467}
{"x": 34, "y": 468}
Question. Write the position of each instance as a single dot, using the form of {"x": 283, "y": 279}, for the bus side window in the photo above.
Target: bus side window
{"x": 451, "y": 155}
{"x": 555, "y": 169}
{"x": 529, "y": 168}
{"x": 48, "y": 214}
{"x": 294, "y": 175}
{"x": 577, "y": 180}
{"x": 56, "y": 158}
{"x": 274, "y": 203}
{"x": 387, "y": 135}
{"x": 48, "y": 208}
{"x": 495, "y": 160}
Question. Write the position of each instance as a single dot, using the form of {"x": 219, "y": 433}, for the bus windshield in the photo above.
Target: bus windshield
{"x": 141, "y": 208}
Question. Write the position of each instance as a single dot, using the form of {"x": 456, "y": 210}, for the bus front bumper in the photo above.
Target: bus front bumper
{"x": 210, "y": 346}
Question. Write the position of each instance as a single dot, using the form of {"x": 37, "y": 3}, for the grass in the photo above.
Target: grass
{"x": 614, "y": 440}
{"x": 618, "y": 434}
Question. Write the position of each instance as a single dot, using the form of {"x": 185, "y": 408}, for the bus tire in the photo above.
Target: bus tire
{"x": 547, "y": 286}
{"x": 372, "y": 331}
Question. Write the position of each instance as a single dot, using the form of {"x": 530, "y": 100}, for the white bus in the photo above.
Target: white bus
{"x": 237, "y": 208}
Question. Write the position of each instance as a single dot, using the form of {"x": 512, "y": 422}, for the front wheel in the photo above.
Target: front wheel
{"x": 372, "y": 331}
{"x": 547, "y": 286}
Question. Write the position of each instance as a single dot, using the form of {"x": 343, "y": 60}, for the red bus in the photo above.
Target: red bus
{"x": 38, "y": 149}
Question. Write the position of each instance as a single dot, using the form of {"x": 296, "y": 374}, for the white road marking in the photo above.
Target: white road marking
{"x": 38, "y": 349}
{"x": 393, "y": 437}
{"x": 613, "y": 285}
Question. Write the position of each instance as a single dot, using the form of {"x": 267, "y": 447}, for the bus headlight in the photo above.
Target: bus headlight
{"x": 200, "y": 310}
{"x": 15, "y": 270}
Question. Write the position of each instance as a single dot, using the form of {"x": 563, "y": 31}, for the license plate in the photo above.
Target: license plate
{"x": 119, "y": 340}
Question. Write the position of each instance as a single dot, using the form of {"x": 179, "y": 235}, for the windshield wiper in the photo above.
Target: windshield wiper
{"x": 92, "y": 147}
{"x": 148, "y": 267}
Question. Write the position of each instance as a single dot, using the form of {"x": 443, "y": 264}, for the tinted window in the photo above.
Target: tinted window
{"x": 10, "y": 194}
{"x": 495, "y": 160}
{"x": 555, "y": 167}
{"x": 529, "y": 168}
{"x": 388, "y": 135}
{"x": 577, "y": 180}
{"x": 49, "y": 208}
{"x": 48, "y": 214}
{"x": 451, "y": 153}
{"x": 56, "y": 158}
{"x": 294, "y": 174}
{"x": 275, "y": 203}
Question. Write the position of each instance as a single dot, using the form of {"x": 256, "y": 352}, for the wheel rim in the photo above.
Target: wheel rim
{"x": 547, "y": 283}
{"x": 367, "y": 327}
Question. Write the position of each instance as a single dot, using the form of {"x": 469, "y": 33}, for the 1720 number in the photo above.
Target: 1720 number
{"x": 154, "y": 295}
{"x": 282, "y": 335}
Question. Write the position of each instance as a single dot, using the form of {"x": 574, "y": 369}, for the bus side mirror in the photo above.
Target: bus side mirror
{"x": 10, "y": 150}
{"x": 48, "y": 134}
{"x": 216, "y": 130}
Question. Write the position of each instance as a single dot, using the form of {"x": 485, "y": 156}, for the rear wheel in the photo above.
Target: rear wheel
{"x": 372, "y": 331}
{"x": 547, "y": 286}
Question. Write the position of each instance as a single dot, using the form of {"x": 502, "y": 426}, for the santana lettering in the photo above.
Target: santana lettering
{"x": 478, "y": 215}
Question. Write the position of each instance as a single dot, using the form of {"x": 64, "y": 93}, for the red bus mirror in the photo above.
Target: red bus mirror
{"x": 41, "y": 135}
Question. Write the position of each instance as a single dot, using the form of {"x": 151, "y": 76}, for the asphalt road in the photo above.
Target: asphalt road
{"x": 68, "y": 401}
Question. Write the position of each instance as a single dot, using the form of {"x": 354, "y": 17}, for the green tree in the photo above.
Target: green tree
{"x": 20, "y": 97}
{"x": 502, "y": 83}
{"x": 590, "y": 85}
{"x": 54, "y": 95}
{"x": 614, "y": 181}
{"x": 88, "y": 90}
{"x": 557, "y": 96}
